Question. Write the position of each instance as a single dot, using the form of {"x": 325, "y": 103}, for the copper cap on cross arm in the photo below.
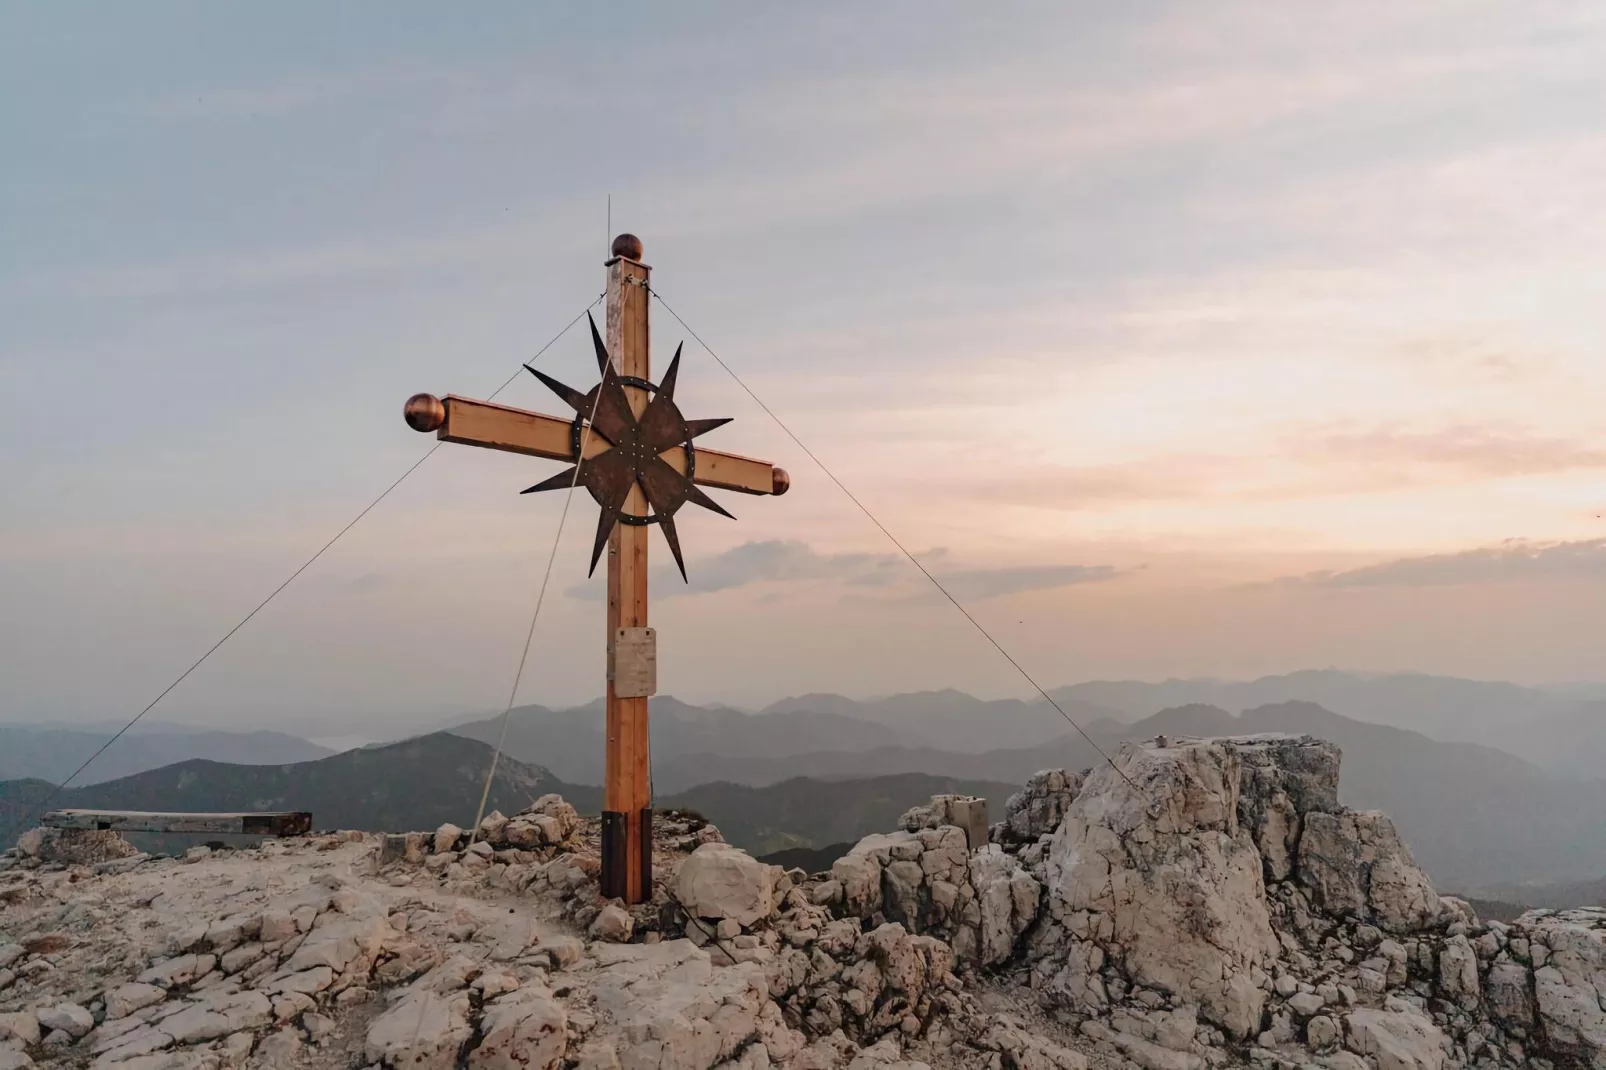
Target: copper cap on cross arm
{"x": 425, "y": 412}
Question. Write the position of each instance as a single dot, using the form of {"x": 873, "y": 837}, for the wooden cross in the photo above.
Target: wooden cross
{"x": 615, "y": 458}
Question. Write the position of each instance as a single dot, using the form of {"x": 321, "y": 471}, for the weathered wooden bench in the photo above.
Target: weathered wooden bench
{"x": 281, "y": 823}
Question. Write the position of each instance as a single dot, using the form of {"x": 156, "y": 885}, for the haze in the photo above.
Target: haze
{"x": 1185, "y": 340}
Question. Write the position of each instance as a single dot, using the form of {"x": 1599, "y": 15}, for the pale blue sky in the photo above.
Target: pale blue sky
{"x": 1149, "y": 308}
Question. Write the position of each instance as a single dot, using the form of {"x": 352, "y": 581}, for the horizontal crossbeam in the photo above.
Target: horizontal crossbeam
{"x": 282, "y": 823}
{"x": 502, "y": 427}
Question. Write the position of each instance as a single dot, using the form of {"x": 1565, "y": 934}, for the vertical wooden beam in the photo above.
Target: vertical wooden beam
{"x": 627, "y": 788}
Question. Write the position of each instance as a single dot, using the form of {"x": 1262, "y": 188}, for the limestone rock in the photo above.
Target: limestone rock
{"x": 858, "y": 874}
{"x": 492, "y": 826}
{"x": 281, "y": 1048}
{"x": 673, "y": 1008}
{"x": 423, "y": 1031}
{"x": 1303, "y": 769}
{"x": 178, "y": 971}
{"x": 75, "y": 847}
{"x": 613, "y": 923}
{"x": 1007, "y": 898}
{"x": 21, "y": 1026}
{"x": 29, "y": 843}
{"x": 1145, "y": 1053}
{"x": 350, "y": 943}
{"x": 126, "y": 999}
{"x": 556, "y": 819}
{"x": 565, "y": 950}
{"x": 1306, "y": 1004}
{"x": 219, "y": 1016}
{"x": 276, "y": 925}
{"x": 1398, "y": 1039}
{"x": 601, "y": 1054}
{"x": 1568, "y": 987}
{"x": 719, "y": 881}
{"x": 1508, "y": 993}
{"x": 1024, "y": 1051}
{"x": 885, "y": 1054}
{"x": 446, "y": 838}
{"x": 1152, "y": 860}
{"x": 1458, "y": 971}
{"x": 527, "y": 1029}
{"x": 1321, "y": 1032}
{"x": 70, "y": 1018}
{"x": 1037, "y": 809}
{"x": 1355, "y": 865}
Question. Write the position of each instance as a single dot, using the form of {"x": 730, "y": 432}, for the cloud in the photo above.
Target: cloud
{"x": 1474, "y": 451}
{"x": 368, "y": 581}
{"x": 997, "y": 582}
{"x": 1298, "y": 462}
{"x": 790, "y": 560}
{"x": 764, "y": 561}
{"x": 1513, "y": 560}
{"x": 781, "y": 560}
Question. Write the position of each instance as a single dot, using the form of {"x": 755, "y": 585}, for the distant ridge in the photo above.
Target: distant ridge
{"x": 52, "y": 753}
{"x": 1475, "y": 816}
{"x": 413, "y": 785}
{"x": 421, "y": 783}
{"x": 1494, "y": 713}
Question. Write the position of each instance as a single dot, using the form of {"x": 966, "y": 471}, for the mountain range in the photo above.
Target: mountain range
{"x": 52, "y": 753}
{"x": 414, "y": 785}
{"x": 1561, "y": 729}
{"x": 1473, "y": 814}
{"x": 422, "y": 783}
{"x": 1526, "y": 721}
{"x": 570, "y": 742}
{"x": 1479, "y": 817}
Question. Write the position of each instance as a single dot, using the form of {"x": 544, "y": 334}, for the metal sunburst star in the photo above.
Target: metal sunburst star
{"x": 635, "y": 453}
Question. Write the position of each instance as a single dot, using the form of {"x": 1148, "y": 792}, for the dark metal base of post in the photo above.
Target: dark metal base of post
{"x": 615, "y": 882}
{"x": 646, "y": 854}
{"x": 615, "y": 847}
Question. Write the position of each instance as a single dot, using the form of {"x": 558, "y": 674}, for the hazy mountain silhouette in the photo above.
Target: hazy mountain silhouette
{"x": 952, "y": 720}
{"x": 418, "y": 784}
{"x": 1563, "y": 729}
{"x": 1475, "y": 816}
{"x": 1572, "y": 741}
{"x": 1496, "y": 714}
{"x": 570, "y": 742}
{"x": 52, "y": 753}
{"x": 413, "y": 785}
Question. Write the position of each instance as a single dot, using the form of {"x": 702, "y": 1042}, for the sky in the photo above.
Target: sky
{"x": 1177, "y": 339}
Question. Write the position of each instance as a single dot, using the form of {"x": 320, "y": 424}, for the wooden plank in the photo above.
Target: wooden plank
{"x": 276, "y": 823}
{"x": 534, "y": 434}
{"x": 502, "y": 427}
{"x": 626, "y": 790}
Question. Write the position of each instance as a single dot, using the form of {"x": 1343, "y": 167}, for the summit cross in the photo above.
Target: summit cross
{"x": 633, "y": 451}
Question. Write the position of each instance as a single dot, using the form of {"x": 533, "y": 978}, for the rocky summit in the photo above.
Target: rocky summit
{"x": 1195, "y": 903}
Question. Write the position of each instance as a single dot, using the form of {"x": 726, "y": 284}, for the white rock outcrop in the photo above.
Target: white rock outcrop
{"x": 1400, "y": 1038}
{"x": 1355, "y": 865}
{"x": 718, "y": 881}
{"x": 1151, "y": 869}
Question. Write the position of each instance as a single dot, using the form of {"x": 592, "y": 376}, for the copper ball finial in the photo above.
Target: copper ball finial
{"x": 425, "y": 412}
{"x": 782, "y": 482}
{"x": 627, "y": 246}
